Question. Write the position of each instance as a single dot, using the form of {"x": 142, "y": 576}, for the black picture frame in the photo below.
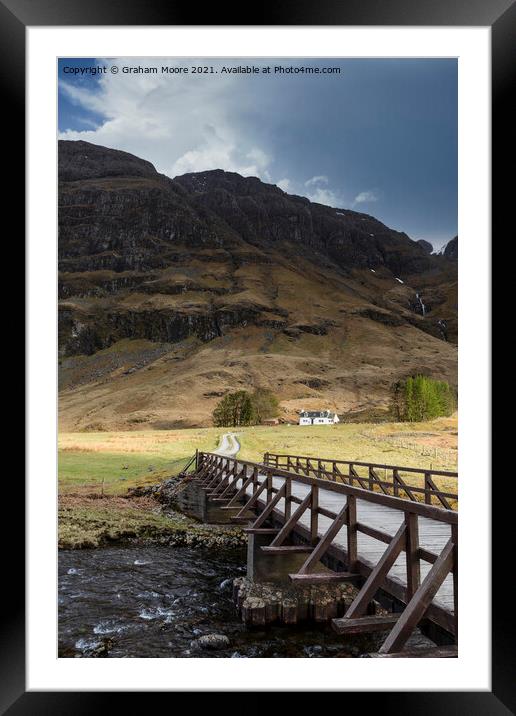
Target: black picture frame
{"x": 15, "y": 16}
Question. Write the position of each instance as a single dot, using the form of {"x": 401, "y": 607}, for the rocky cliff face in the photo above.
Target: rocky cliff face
{"x": 451, "y": 250}
{"x": 215, "y": 259}
{"x": 426, "y": 246}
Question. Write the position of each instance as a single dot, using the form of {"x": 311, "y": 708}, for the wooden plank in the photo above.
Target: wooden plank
{"x": 270, "y": 507}
{"x": 361, "y": 480}
{"x": 288, "y": 499}
{"x": 412, "y": 554}
{"x": 351, "y": 534}
{"x": 439, "y": 612}
{"x": 237, "y": 476}
{"x": 314, "y": 515}
{"x": 327, "y": 513}
{"x": 429, "y": 511}
{"x": 323, "y": 577}
{"x": 377, "y": 480}
{"x": 455, "y": 579}
{"x": 435, "y": 491}
{"x": 288, "y": 549}
{"x": 375, "y": 579}
{"x": 254, "y": 497}
{"x": 364, "y": 625}
{"x": 381, "y": 515}
{"x": 260, "y": 530}
{"x": 438, "y": 652}
{"x": 291, "y": 523}
{"x": 444, "y": 473}
{"x": 374, "y": 533}
{"x": 417, "y": 606}
{"x": 325, "y": 542}
{"x": 402, "y": 485}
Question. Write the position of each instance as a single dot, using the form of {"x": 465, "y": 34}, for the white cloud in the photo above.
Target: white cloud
{"x": 320, "y": 191}
{"x": 314, "y": 181}
{"x": 285, "y": 184}
{"x": 179, "y": 123}
{"x": 365, "y": 197}
{"x": 326, "y": 196}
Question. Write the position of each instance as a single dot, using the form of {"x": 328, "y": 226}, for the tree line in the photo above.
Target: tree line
{"x": 244, "y": 408}
{"x": 419, "y": 398}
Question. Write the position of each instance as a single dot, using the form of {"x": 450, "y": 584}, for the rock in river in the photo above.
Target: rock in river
{"x": 212, "y": 641}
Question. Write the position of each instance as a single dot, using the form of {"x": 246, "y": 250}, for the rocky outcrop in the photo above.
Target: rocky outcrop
{"x": 426, "y": 246}
{"x": 116, "y": 213}
{"x": 82, "y": 332}
{"x": 211, "y": 642}
{"x": 82, "y": 160}
{"x": 263, "y": 215}
{"x": 451, "y": 250}
{"x": 216, "y": 262}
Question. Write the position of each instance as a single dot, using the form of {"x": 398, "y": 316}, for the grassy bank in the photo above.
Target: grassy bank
{"x": 431, "y": 444}
{"x": 97, "y": 469}
{"x": 93, "y": 522}
{"x": 114, "y": 462}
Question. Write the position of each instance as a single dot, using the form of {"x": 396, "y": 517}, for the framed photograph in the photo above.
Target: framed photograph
{"x": 258, "y": 365}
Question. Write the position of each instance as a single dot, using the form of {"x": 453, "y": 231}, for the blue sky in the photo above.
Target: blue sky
{"x": 379, "y": 137}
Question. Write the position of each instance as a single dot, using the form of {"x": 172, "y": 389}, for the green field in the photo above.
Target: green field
{"x": 96, "y": 469}
{"x": 112, "y": 462}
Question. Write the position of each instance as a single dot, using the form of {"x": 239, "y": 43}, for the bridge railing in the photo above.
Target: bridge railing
{"x": 415, "y": 484}
{"x": 244, "y": 485}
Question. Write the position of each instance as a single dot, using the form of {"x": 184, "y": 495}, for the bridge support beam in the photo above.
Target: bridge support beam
{"x": 195, "y": 502}
{"x": 276, "y": 565}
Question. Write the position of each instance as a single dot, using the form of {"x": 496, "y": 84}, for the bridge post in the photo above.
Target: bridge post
{"x": 352, "y": 533}
{"x": 314, "y": 515}
{"x": 412, "y": 554}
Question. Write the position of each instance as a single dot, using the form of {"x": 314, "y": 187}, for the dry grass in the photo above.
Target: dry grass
{"x": 430, "y": 445}
{"x": 114, "y": 461}
{"x": 97, "y": 469}
{"x": 407, "y": 444}
{"x": 178, "y": 386}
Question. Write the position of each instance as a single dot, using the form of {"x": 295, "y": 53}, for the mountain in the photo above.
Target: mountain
{"x": 174, "y": 291}
{"x": 450, "y": 250}
{"x": 426, "y": 246}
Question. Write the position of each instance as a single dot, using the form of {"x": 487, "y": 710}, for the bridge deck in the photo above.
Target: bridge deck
{"x": 432, "y": 535}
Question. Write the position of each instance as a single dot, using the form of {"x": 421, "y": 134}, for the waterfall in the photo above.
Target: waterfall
{"x": 443, "y": 328}
{"x": 421, "y": 304}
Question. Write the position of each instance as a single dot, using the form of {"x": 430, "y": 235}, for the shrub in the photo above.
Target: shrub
{"x": 265, "y": 404}
{"x": 233, "y": 410}
{"x": 243, "y": 408}
{"x": 421, "y": 398}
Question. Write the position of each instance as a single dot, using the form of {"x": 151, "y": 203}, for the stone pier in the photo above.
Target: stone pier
{"x": 267, "y": 595}
{"x": 260, "y": 603}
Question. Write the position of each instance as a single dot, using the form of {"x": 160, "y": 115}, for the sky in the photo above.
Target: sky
{"x": 375, "y": 135}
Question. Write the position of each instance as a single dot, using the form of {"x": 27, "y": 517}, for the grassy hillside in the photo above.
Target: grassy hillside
{"x": 341, "y": 359}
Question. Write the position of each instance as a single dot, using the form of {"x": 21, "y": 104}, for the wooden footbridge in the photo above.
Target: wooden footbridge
{"x": 387, "y": 529}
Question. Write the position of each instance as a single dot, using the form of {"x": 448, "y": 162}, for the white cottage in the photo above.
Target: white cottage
{"x": 318, "y": 417}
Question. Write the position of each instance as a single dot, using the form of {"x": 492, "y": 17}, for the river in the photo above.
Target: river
{"x": 157, "y": 601}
